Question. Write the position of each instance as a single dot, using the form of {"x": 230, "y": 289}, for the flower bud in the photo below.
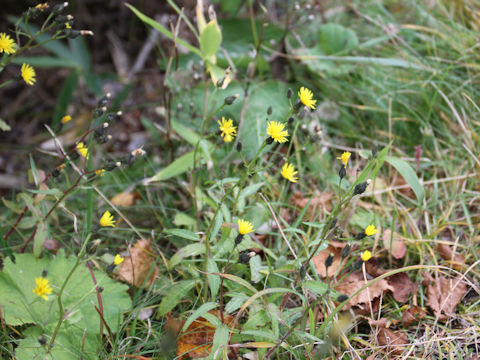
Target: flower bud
{"x": 360, "y": 188}
{"x": 302, "y": 272}
{"x": 346, "y": 251}
{"x": 229, "y": 100}
{"x": 239, "y": 146}
{"x": 329, "y": 260}
{"x": 269, "y": 110}
{"x": 341, "y": 298}
{"x": 42, "y": 341}
{"x": 342, "y": 172}
{"x": 245, "y": 256}
{"x": 44, "y": 273}
{"x": 289, "y": 93}
{"x": 238, "y": 239}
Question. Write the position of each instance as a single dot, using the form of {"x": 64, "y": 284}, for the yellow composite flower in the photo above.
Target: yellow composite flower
{"x": 43, "y": 288}
{"x": 276, "y": 131}
{"x": 107, "y": 219}
{"x": 288, "y": 172}
{"x": 367, "y": 255}
{"x": 306, "y": 97}
{"x": 7, "y": 45}
{"x": 67, "y": 26}
{"x": 118, "y": 259}
{"x": 370, "y": 230}
{"x": 41, "y": 7}
{"x": 227, "y": 130}
{"x": 344, "y": 158}
{"x": 28, "y": 74}
{"x": 66, "y": 119}
{"x": 82, "y": 149}
{"x": 100, "y": 172}
{"x": 244, "y": 227}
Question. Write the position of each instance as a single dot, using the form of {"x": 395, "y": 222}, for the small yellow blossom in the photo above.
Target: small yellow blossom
{"x": 61, "y": 166}
{"x": 28, "y": 74}
{"x": 43, "y": 288}
{"x": 7, "y": 45}
{"x": 344, "y": 158}
{"x": 367, "y": 255}
{"x": 107, "y": 219}
{"x": 244, "y": 227}
{"x": 100, "y": 172}
{"x": 228, "y": 131}
{"x": 41, "y": 7}
{"x": 82, "y": 149}
{"x": 66, "y": 119}
{"x": 288, "y": 172}
{"x": 370, "y": 230}
{"x": 306, "y": 97}
{"x": 276, "y": 131}
{"x": 67, "y": 26}
{"x": 118, "y": 259}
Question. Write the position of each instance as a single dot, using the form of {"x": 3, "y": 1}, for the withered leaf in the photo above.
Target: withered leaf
{"x": 138, "y": 265}
{"x": 446, "y": 252}
{"x": 413, "y": 314}
{"x": 318, "y": 203}
{"x": 124, "y": 198}
{"x": 394, "y": 341}
{"x": 443, "y": 294}
{"x": 394, "y": 244}
{"x": 334, "y": 248}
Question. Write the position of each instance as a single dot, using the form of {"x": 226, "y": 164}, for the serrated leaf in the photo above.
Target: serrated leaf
{"x": 210, "y": 39}
{"x": 175, "y": 293}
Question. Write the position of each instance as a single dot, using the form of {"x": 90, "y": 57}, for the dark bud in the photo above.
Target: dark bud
{"x": 44, "y": 273}
{"x": 244, "y": 257}
{"x": 111, "y": 165}
{"x": 289, "y": 93}
{"x": 357, "y": 265}
{"x": 56, "y": 173}
{"x": 74, "y": 154}
{"x": 238, "y": 239}
{"x": 342, "y": 172}
{"x": 42, "y": 341}
{"x": 111, "y": 117}
{"x": 342, "y": 298}
{"x": 290, "y": 119}
{"x": 72, "y": 33}
{"x": 334, "y": 223}
{"x": 99, "y": 132}
{"x": 329, "y": 260}
{"x": 375, "y": 150}
{"x": 110, "y": 268}
{"x": 103, "y": 101}
{"x": 57, "y": 9}
{"x": 269, "y": 110}
{"x": 239, "y": 146}
{"x": 229, "y": 100}
{"x": 297, "y": 107}
{"x": 360, "y": 188}
{"x": 360, "y": 235}
{"x": 303, "y": 272}
{"x": 269, "y": 140}
{"x": 99, "y": 111}
{"x": 346, "y": 251}
{"x": 127, "y": 159}
{"x": 103, "y": 139}
{"x": 92, "y": 247}
{"x": 100, "y": 289}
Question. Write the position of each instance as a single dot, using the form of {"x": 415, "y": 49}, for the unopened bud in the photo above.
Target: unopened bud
{"x": 341, "y": 298}
{"x": 360, "y": 188}
{"x": 42, "y": 341}
{"x": 229, "y": 100}
{"x": 239, "y": 146}
{"x": 289, "y": 93}
{"x": 346, "y": 251}
{"x": 44, "y": 273}
{"x": 329, "y": 260}
{"x": 269, "y": 140}
{"x": 302, "y": 272}
{"x": 238, "y": 239}
{"x": 342, "y": 172}
{"x": 269, "y": 110}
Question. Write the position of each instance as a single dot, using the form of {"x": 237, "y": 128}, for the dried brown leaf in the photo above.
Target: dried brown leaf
{"x": 334, "y": 248}
{"x": 446, "y": 252}
{"x": 394, "y": 244}
{"x": 443, "y": 294}
{"x": 51, "y": 245}
{"x": 394, "y": 340}
{"x": 124, "y": 198}
{"x": 413, "y": 314}
{"x": 322, "y": 201}
{"x": 137, "y": 266}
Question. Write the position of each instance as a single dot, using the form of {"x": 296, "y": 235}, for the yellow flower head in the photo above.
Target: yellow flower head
{"x": 28, "y": 74}
{"x": 43, "y": 288}
{"x": 67, "y": 26}
{"x": 306, "y": 97}
{"x": 82, "y": 149}
{"x": 367, "y": 255}
{"x": 66, "y": 119}
{"x": 344, "y": 158}
{"x": 288, "y": 172}
{"x": 276, "y": 132}
{"x": 244, "y": 227}
{"x": 107, "y": 219}
{"x": 370, "y": 230}
{"x": 100, "y": 172}
{"x": 7, "y": 45}
{"x": 41, "y": 7}
{"x": 61, "y": 166}
{"x": 118, "y": 260}
{"x": 228, "y": 131}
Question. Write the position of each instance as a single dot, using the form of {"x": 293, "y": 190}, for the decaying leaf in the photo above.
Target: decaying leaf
{"x": 443, "y": 294}
{"x": 124, "y": 198}
{"x": 394, "y": 341}
{"x": 354, "y": 282}
{"x": 138, "y": 265}
{"x": 196, "y": 341}
{"x": 446, "y": 252}
{"x": 394, "y": 244}
{"x": 412, "y": 314}
{"x": 317, "y": 204}
{"x": 51, "y": 245}
{"x": 334, "y": 248}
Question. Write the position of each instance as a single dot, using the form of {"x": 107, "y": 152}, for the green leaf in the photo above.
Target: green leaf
{"x": 210, "y": 39}
{"x": 187, "y": 251}
{"x": 65, "y": 97}
{"x": 220, "y": 341}
{"x": 53, "y": 192}
{"x": 39, "y": 239}
{"x": 185, "y": 234}
{"x": 175, "y": 293}
{"x": 245, "y": 193}
{"x": 334, "y": 38}
{"x": 216, "y": 226}
{"x": 202, "y": 310}
{"x": 213, "y": 280}
{"x": 182, "y": 219}
{"x": 318, "y": 287}
{"x": 177, "y": 167}
{"x": 409, "y": 175}
{"x": 255, "y": 267}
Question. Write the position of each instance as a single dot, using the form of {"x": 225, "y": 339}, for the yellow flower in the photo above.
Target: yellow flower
{"x": 118, "y": 259}
{"x": 7, "y": 44}
{"x": 367, "y": 255}
{"x": 100, "y": 172}
{"x": 344, "y": 158}
{"x": 61, "y": 166}
{"x": 42, "y": 7}
{"x": 306, "y": 96}
{"x": 28, "y": 74}
{"x": 43, "y": 288}
{"x": 66, "y": 119}
{"x": 107, "y": 219}
{"x": 276, "y": 132}
{"x": 228, "y": 131}
{"x": 288, "y": 172}
{"x": 244, "y": 227}
{"x": 82, "y": 149}
{"x": 67, "y": 26}
{"x": 370, "y": 230}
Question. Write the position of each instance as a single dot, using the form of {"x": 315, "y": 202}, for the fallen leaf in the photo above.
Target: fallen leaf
{"x": 124, "y": 198}
{"x": 394, "y": 244}
{"x": 334, "y": 248}
{"x": 196, "y": 341}
{"x": 354, "y": 282}
{"x": 394, "y": 341}
{"x": 137, "y": 266}
{"x": 317, "y": 202}
{"x": 443, "y": 294}
{"x": 51, "y": 245}
{"x": 446, "y": 252}
{"x": 412, "y": 314}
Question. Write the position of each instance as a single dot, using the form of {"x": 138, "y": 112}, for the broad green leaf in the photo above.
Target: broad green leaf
{"x": 255, "y": 267}
{"x": 220, "y": 341}
{"x": 182, "y": 219}
{"x": 202, "y": 310}
{"x": 245, "y": 193}
{"x": 210, "y": 39}
{"x": 53, "y": 192}
{"x": 334, "y": 38}
{"x": 177, "y": 167}
{"x": 187, "y": 251}
{"x": 409, "y": 175}
{"x": 318, "y": 287}
{"x": 185, "y": 234}
{"x": 39, "y": 238}
{"x": 175, "y": 293}
{"x": 213, "y": 280}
